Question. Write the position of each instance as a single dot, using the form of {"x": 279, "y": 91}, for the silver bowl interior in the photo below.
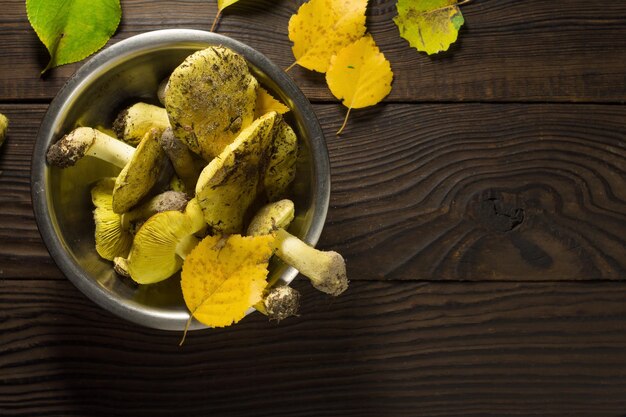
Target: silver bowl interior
{"x": 120, "y": 75}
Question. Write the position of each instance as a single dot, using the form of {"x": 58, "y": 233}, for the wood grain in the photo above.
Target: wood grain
{"x": 381, "y": 349}
{"x": 506, "y": 192}
{"x": 425, "y": 194}
{"x": 509, "y": 50}
{"x": 473, "y": 192}
{"x": 22, "y": 253}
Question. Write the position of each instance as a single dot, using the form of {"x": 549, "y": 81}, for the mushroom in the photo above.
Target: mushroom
{"x": 142, "y": 168}
{"x": 281, "y": 302}
{"x": 187, "y": 166}
{"x": 162, "y": 243}
{"x": 271, "y": 217}
{"x": 281, "y": 168}
{"x": 161, "y": 90}
{"x": 176, "y": 184}
{"x": 134, "y": 122}
{"x": 230, "y": 183}
{"x": 120, "y": 266}
{"x": 325, "y": 269}
{"x": 113, "y": 234}
{"x": 210, "y": 98}
{"x": 4, "y": 126}
{"x": 141, "y": 173}
{"x": 166, "y": 201}
{"x": 84, "y": 141}
{"x": 111, "y": 239}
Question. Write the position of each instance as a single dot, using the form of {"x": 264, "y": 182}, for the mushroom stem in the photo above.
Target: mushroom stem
{"x": 186, "y": 245}
{"x": 161, "y": 90}
{"x": 326, "y": 270}
{"x": 169, "y": 200}
{"x": 182, "y": 160}
{"x": 87, "y": 141}
{"x": 111, "y": 150}
{"x": 120, "y": 266}
{"x": 271, "y": 217}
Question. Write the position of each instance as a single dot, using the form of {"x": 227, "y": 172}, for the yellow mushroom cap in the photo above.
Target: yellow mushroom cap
{"x": 140, "y": 174}
{"x": 111, "y": 239}
{"x": 230, "y": 183}
{"x": 159, "y": 244}
{"x": 134, "y": 122}
{"x": 281, "y": 167}
{"x": 209, "y": 98}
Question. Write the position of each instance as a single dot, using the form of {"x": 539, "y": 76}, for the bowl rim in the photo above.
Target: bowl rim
{"x": 99, "y": 64}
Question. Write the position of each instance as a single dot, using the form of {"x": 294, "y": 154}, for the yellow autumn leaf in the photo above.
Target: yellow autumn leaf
{"x": 430, "y": 26}
{"x": 321, "y": 28}
{"x": 223, "y": 277}
{"x": 360, "y": 75}
{"x": 266, "y": 103}
{"x": 221, "y": 5}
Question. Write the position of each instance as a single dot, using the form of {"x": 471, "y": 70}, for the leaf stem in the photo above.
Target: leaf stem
{"x": 186, "y": 329}
{"x": 459, "y": 3}
{"x": 217, "y": 17}
{"x": 291, "y": 66}
{"x": 53, "y": 52}
{"x": 344, "y": 122}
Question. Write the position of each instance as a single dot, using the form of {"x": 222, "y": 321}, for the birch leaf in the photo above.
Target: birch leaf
{"x": 223, "y": 277}
{"x": 72, "y": 30}
{"x": 321, "y": 28}
{"x": 359, "y": 75}
{"x": 222, "y": 4}
{"x": 430, "y": 26}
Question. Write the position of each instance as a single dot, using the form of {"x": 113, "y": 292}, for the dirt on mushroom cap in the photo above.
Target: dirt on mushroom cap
{"x": 140, "y": 174}
{"x": 230, "y": 183}
{"x": 281, "y": 167}
{"x": 210, "y": 98}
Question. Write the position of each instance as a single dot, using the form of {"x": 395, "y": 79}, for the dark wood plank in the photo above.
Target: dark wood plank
{"x": 381, "y": 349}
{"x": 509, "y": 50}
{"x": 506, "y": 192}
{"x": 22, "y": 252}
{"x": 479, "y": 192}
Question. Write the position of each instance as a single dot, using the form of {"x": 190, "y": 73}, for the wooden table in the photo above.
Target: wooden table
{"x": 481, "y": 210}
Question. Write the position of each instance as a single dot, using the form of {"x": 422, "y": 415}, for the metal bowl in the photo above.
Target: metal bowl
{"x": 122, "y": 74}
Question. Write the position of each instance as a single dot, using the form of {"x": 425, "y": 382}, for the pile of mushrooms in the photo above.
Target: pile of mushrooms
{"x": 198, "y": 166}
